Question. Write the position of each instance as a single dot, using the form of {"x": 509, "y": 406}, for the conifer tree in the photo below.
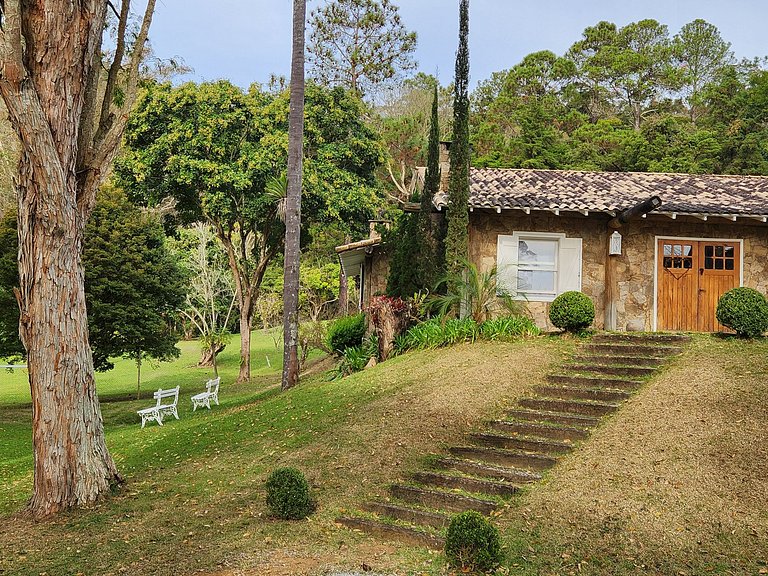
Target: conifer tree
{"x": 431, "y": 256}
{"x": 456, "y": 242}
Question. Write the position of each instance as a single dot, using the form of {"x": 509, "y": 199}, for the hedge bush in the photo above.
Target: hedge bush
{"x": 472, "y": 543}
{"x": 346, "y": 332}
{"x": 508, "y": 328}
{"x": 288, "y": 494}
{"x": 745, "y": 311}
{"x": 572, "y": 311}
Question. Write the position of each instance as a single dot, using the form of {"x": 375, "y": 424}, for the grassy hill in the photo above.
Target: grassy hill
{"x": 675, "y": 482}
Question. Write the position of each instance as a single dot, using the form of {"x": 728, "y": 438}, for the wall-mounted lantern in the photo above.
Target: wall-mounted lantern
{"x": 615, "y": 247}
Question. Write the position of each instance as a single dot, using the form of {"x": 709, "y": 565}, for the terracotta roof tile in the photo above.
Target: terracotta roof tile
{"x": 615, "y": 191}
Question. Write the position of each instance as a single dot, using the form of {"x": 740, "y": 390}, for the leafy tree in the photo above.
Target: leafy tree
{"x": 361, "y": 45}
{"x": 405, "y": 275}
{"x": 10, "y": 345}
{"x": 293, "y": 202}
{"x": 215, "y": 149}
{"x": 319, "y": 288}
{"x": 430, "y": 260}
{"x": 211, "y": 295}
{"x": 69, "y": 106}
{"x": 702, "y": 54}
{"x": 457, "y": 238}
{"x": 633, "y": 63}
{"x": 133, "y": 285}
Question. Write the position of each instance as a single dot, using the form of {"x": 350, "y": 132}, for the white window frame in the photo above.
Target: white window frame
{"x": 507, "y": 272}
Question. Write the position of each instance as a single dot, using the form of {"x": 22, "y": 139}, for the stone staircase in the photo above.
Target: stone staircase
{"x": 492, "y": 465}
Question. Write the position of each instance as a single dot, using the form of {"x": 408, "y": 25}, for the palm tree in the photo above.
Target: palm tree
{"x": 293, "y": 202}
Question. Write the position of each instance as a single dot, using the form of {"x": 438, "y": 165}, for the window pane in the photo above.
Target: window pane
{"x": 667, "y": 250}
{"x": 687, "y": 250}
{"x": 535, "y": 281}
{"x": 708, "y": 264}
{"x": 729, "y": 264}
{"x": 718, "y": 264}
{"x": 709, "y": 251}
{"x": 678, "y": 250}
{"x": 537, "y": 251}
{"x": 719, "y": 251}
{"x": 687, "y": 263}
{"x": 729, "y": 251}
{"x": 668, "y": 262}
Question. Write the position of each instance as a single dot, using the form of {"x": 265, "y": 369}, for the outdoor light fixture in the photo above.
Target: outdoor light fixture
{"x": 615, "y": 247}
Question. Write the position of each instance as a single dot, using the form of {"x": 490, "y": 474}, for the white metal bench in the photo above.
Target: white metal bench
{"x": 166, "y": 404}
{"x": 204, "y": 398}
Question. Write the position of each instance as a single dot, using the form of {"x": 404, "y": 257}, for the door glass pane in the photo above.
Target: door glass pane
{"x": 668, "y": 262}
{"x": 687, "y": 263}
{"x": 709, "y": 251}
{"x": 678, "y": 250}
{"x": 718, "y": 264}
{"x": 537, "y": 251}
{"x": 687, "y": 250}
{"x": 719, "y": 251}
{"x": 729, "y": 264}
{"x": 667, "y": 249}
{"x": 709, "y": 263}
{"x": 729, "y": 251}
{"x": 535, "y": 281}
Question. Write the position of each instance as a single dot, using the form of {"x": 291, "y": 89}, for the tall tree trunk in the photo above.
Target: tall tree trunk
{"x": 343, "y": 293}
{"x": 72, "y": 464}
{"x": 138, "y": 377}
{"x": 293, "y": 202}
{"x": 246, "y": 316}
{"x": 50, "y": 63}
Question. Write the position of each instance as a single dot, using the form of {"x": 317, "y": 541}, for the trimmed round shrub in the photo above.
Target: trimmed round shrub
{"x": 472, "y": 543}
{"x": 288, "y": 494}
{"x": 572, "y": 311}
{"x": 745, "y": 311}
{"x": 346, "y": 332}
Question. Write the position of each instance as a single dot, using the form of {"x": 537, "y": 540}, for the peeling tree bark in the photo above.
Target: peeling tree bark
{"x": 49, "y": 70}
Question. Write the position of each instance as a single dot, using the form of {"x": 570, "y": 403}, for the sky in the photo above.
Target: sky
{"x": 246, "y": 41}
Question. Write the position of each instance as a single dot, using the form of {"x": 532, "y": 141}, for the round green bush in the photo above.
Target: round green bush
{"x": 572, "y": 311}
{"x": 745, "y": 311}
{"x": 346, "y": 332}
{"x": 288, "y": 494}
{"x": 472, "y": 543}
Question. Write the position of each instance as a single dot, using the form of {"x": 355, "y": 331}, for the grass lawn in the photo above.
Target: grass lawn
{"x": 675, "y": 482}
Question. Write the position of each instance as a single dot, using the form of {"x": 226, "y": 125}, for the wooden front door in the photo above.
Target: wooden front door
{"x": 692, "y": 275}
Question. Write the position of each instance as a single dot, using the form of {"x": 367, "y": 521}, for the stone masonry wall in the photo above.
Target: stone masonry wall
{"x": 634, "y": 275}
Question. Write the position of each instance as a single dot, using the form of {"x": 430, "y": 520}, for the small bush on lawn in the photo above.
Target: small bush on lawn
{"x": 572, "y": 311}
{"x": 508, "y": 328}
{"x": 472, "y": 543}
{"x": 346, "y": 333}
{"x": 745, "y": 311}
{"x": 288, "y": 494}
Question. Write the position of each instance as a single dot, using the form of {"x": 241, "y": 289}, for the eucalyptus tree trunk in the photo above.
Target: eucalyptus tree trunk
{"x": 293, "y": 202}
{"x": 69, "y": 128}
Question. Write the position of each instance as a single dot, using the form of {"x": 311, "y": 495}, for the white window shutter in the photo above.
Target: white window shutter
{"x": 506, "y": 264}
{"x": 569, "y": 277}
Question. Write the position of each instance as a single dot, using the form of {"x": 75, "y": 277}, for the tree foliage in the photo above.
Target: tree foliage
{"x": 457, "y": 237}
{"x": 626, "y": 98}
{"x": 361, "y": 45}
{"x": 215, "y": 149}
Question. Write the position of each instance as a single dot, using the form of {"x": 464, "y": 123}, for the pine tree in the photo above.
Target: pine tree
{"x": 456, "y": 242}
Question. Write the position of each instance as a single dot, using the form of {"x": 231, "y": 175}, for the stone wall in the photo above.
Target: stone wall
{"x": 634, "y": 268}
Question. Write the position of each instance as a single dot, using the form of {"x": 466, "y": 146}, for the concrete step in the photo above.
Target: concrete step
{"x": 554, "y": 417}
{"x": 629, "y": 349}
{"x": 540, "y": 430}
{"x": 525, "y": 444}
{"x": 411, "y": 515}
{"x": 615, "y": 360}
{"x": 514, "y": 458}
{"x": 610, "y": 370}
{"x": 514, "y": 475}
{"x": 440, "y": 500}
{"x": 580, "y": 393}
{"x": 642, "y": 339}
{"x": 594, "y": 382}
{"x": 569, "y": 406}
{"x": 409, "y": 536}
{"x": 466, "y": 483}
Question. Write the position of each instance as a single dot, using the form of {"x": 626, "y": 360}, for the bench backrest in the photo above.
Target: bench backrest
{"x": 213, "y": 385}
{"x": 161, "y": 394}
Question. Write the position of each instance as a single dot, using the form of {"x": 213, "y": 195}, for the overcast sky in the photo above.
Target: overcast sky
{"x": 247, "y": 40}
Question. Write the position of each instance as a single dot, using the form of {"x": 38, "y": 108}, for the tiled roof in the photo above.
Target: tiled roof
{"x": 611, "y": 192}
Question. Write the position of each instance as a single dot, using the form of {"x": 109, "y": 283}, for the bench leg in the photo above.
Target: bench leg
{"x": 175, "y": 413}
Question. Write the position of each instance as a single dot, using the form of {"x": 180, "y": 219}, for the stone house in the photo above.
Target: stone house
{"x": 549, "y": 231}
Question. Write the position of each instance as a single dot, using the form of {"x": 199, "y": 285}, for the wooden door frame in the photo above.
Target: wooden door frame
{"x": 739, "y": 241}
